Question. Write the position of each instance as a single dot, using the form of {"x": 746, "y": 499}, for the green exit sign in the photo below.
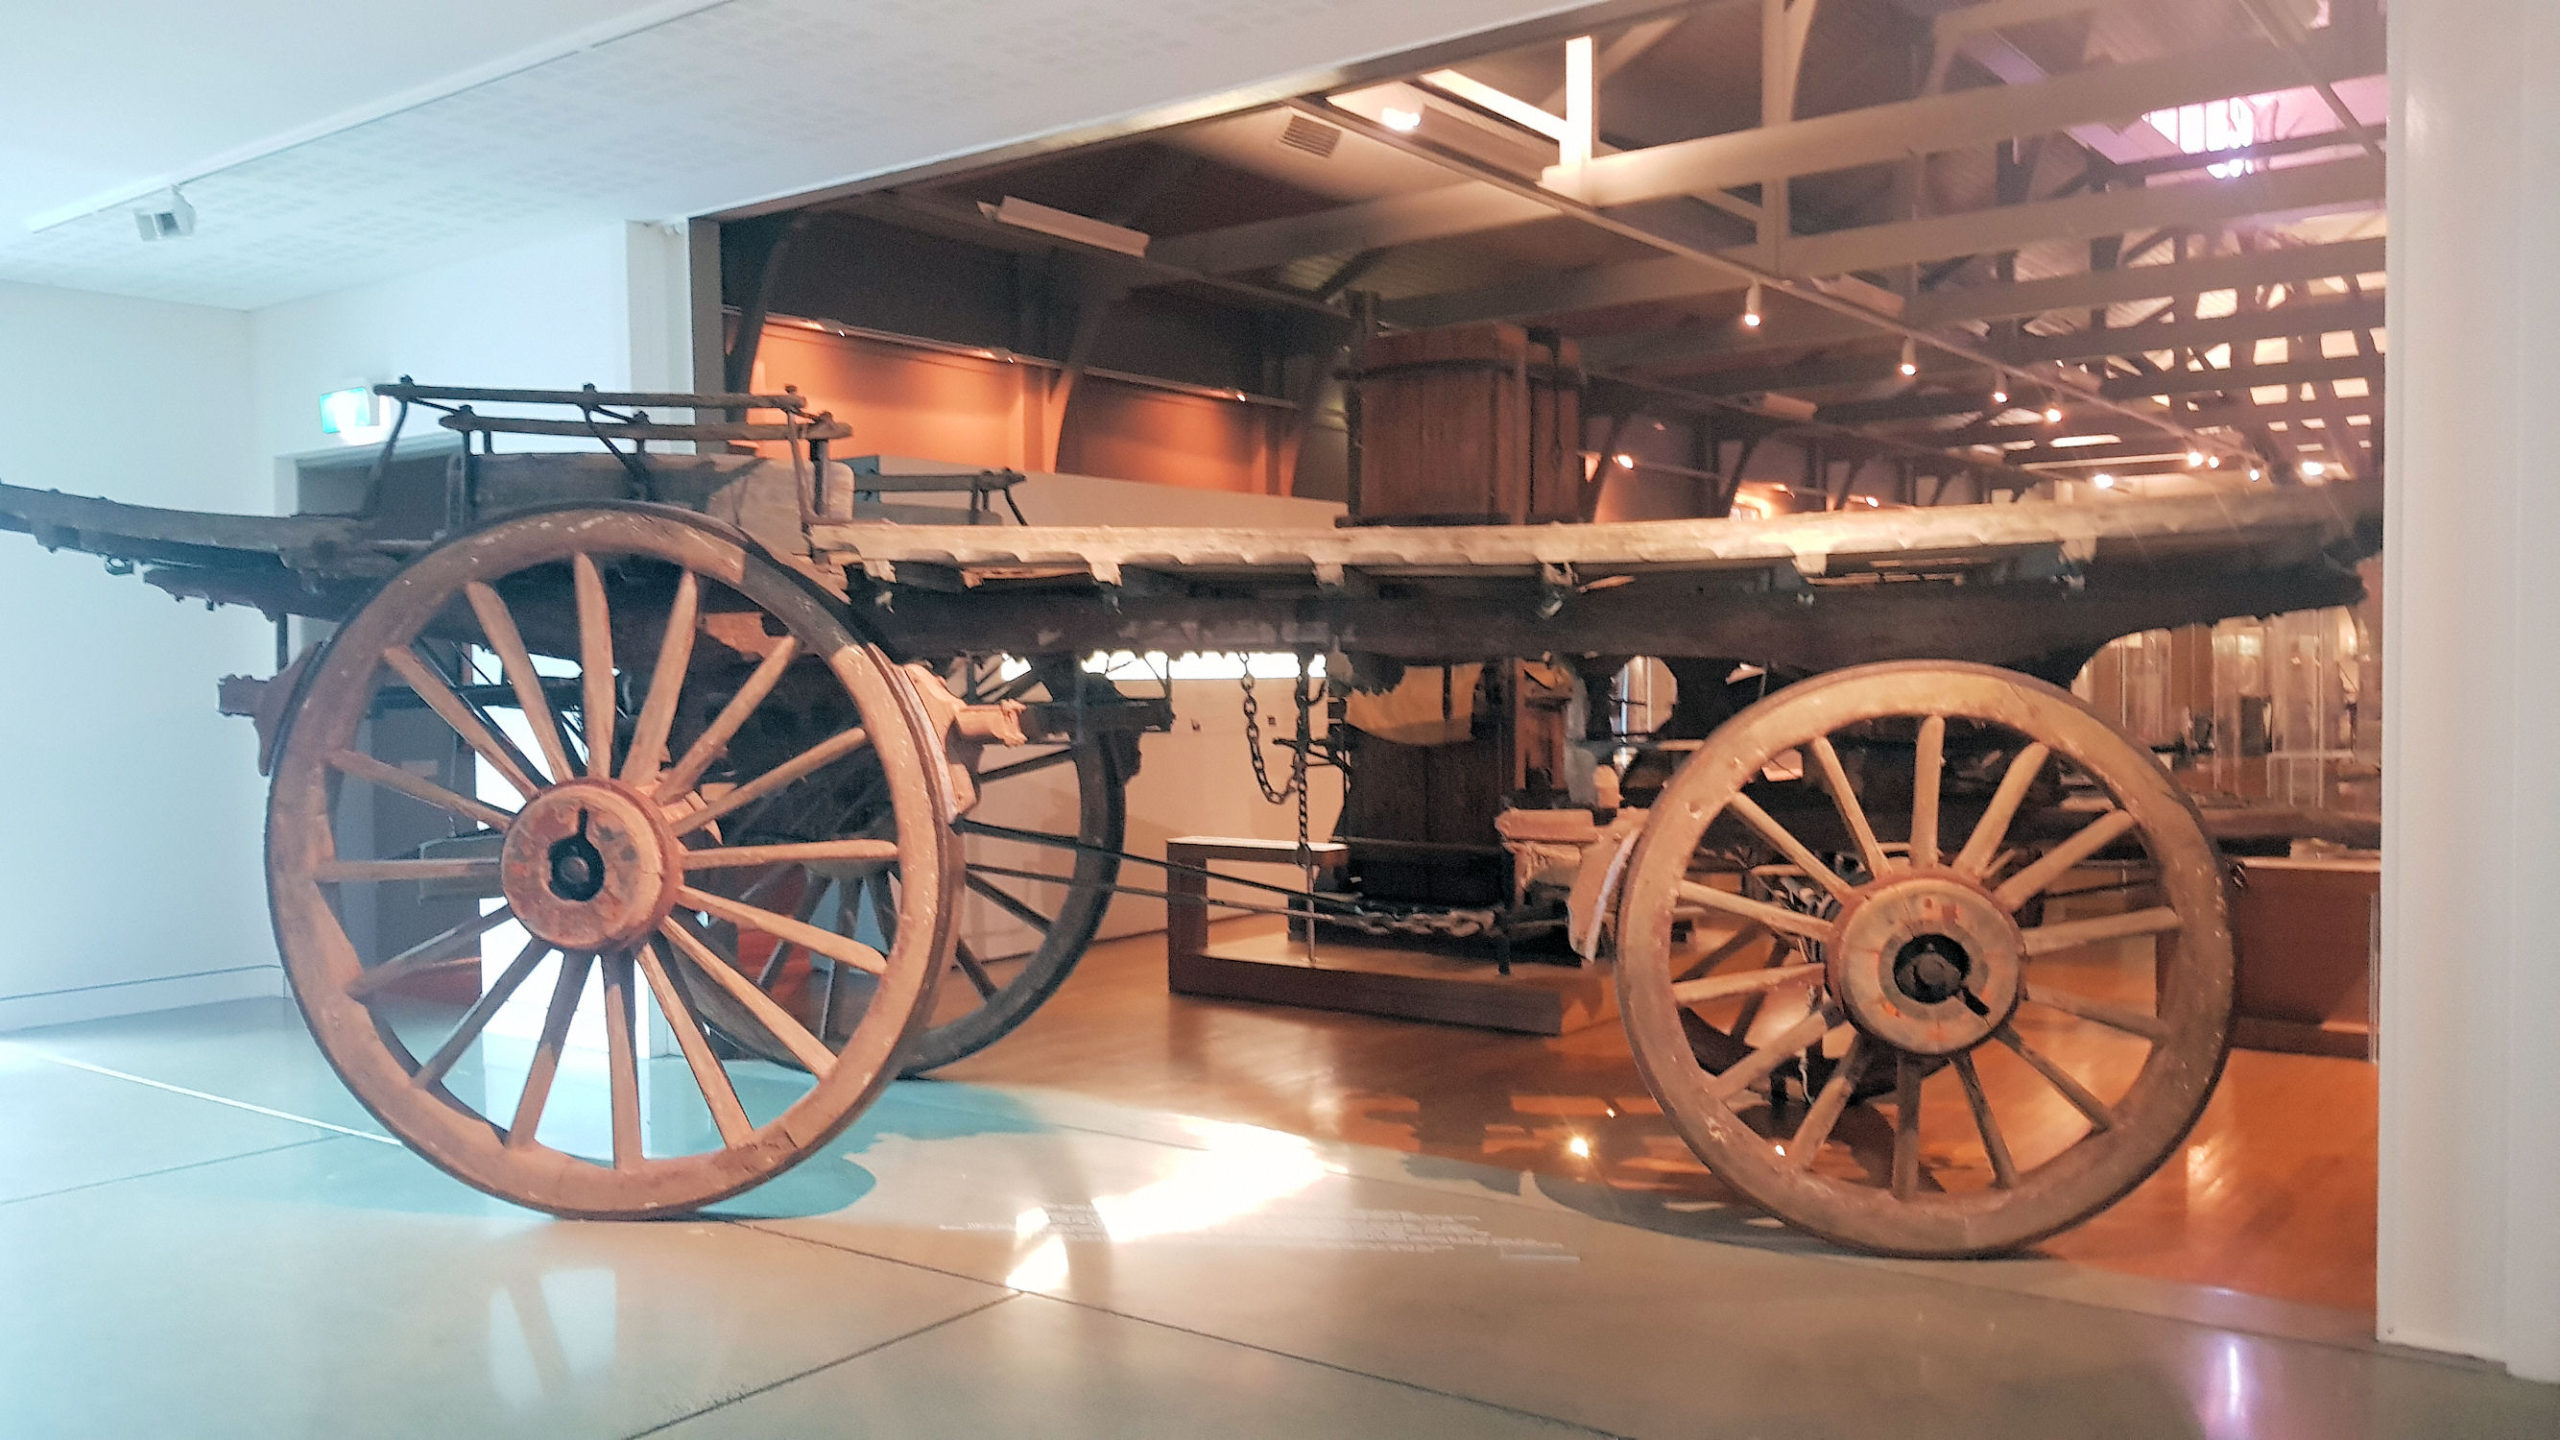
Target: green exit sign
{"x": 349, "y": 411}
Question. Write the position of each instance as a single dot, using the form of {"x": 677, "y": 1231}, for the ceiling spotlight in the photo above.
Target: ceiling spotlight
{"x": 2194, "y": 458}
{"x": 2215, "y": 463}
{"x": 2103, "y": 481}
{"x": 1910, "y": 357}
{"x": 2256, "y": 474}
{"x": 1626, "y": 461}
{"x": 2000, "y": 393}
{"x": 1751, "y": 306}
{"x": 2313, "y": 469}
{"x": 1407, "y": 121}
{"x": 2053, "y": 414}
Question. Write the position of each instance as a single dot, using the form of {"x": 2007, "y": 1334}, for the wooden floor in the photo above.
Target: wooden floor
{"x": 2273, "y": 1194}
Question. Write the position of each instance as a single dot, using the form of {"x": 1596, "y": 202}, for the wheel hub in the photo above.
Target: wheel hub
{"x": 590, "y": 866}
{"x": 1929, "y": 965}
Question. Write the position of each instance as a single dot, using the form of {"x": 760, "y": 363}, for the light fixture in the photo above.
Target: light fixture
{"x": 2000, "y": 393}
{"x": 164, "y": 216}
{"x": 1579, "y": 1147}
{"x": 1407, "y": 121}
{"x": 1049, "y": 220}
{"x": 1751, "y": 306}
{"x": 1626, "y": 461}
{"x": 2053, "y": 414}
{"x": 2313, "y": 469}
{"x": 2103, "y": 480}
{"x": 2255, "y": 473}
{"x": 1910, "y": 356}
{"x": 2194, "y": 458}
{"x": 2215, "y": 463}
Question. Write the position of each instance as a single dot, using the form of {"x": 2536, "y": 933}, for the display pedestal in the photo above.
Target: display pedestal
{"x": 1274, "y": 968}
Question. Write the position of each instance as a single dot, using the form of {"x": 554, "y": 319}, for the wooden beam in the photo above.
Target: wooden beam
{"x": 2240, "y": 328}
{"x": 2194, "y": 382}
{"x": 1877, "y": 134}
{"x": 1405, "y": 219}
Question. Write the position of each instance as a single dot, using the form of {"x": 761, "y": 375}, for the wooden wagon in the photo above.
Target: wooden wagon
{"x": 731, "y": 743}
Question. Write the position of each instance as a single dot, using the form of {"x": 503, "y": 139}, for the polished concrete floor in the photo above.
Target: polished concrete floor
{"x": 202, "y": 1234}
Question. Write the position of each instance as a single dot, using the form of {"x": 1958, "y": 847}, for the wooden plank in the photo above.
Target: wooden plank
{"x": 1848, "y": 539}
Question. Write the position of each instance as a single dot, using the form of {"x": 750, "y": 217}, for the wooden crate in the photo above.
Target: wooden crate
{"x": 2305, "y": 935}
{"x": 1469, "y": 424}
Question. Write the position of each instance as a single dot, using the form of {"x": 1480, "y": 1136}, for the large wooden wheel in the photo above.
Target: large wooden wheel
{"x": 1041, "y": 844}
{"x": 719, "y": 704}
{"x": 1931, "y": 1063}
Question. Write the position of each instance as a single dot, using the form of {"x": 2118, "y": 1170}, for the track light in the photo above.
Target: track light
{"x": 2053, "y": 414}
{"x": 2000, "y": 393}
{"x": 1910, "y": 356}
{"x": 1751, "y": 306}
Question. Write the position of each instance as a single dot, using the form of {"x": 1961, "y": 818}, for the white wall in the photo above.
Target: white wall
{"x": 2470, "y": 1159}
{"x": 130, "y": 866}
{"x": 605, "y": 306}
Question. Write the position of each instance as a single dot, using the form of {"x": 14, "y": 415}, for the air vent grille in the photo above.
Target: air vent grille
{"x": 1312, "y": 136}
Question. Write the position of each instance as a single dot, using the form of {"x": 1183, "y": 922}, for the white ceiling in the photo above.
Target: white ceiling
{"x": 499, "y": 122}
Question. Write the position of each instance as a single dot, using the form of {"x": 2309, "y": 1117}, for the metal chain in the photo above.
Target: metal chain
{"x": 1275, "y": 794}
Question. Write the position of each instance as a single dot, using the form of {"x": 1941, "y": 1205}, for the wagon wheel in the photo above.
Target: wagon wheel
{"x": 610, "y": 848}
{"x": 1041, "y": 845}
{"x": 2032, "y": 1074}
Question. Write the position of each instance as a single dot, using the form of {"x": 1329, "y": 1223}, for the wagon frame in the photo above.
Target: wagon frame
{"x": 726, "y": 694}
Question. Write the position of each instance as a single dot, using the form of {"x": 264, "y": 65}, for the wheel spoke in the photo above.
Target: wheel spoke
{"x": 2132, "y": 1022}
{"x": 1758, "y": 912}
{"x": 546, "y": 1051}
{"x": 724, "y": 728}
{"x": 500, "y": 628}
{"x": 780, "y": 956}
{"x": 1059, "y": 756}
{"x": 817, "y": 757}
{"x": 1011, "y": 904}
{"x": 500, "y": 753}
{"x": 2004, "y": 1171}
{"x": 1741, "y": 982}
{"x": 843, "y": 949}
{"x": 2099, "y": 1116}
{"x": 1906, "y": 1126}
{"x": 1835, "y": 778}
{"x": 437, "y": 952}
{"x": 977, "y": 973}
{"x": 622, "y": 1060}
{"x": 349, "y": 872}
{"x": 1928, "y": 768}
{"x": 476, "y": 1019}
{"x": 1994, "y": 826}
{"x": 1756, "y": 1066}
{"x": 666, "y": 684}
{"x": 717, "y": 1092}
{"x": 884, "y": 907}
{"x": 1740, "y": 940}
{"x": 732, "y": 857}
{"x": 2047, "y": 939}
{"x": 1791, "y": 847}
{"x": 595, "y": 664}
{"x": 2088, "y": 840}
{"x": 795, "y": 1037}
{"x": 1827, "y": 1106}
{"x": 391, "y": 777}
